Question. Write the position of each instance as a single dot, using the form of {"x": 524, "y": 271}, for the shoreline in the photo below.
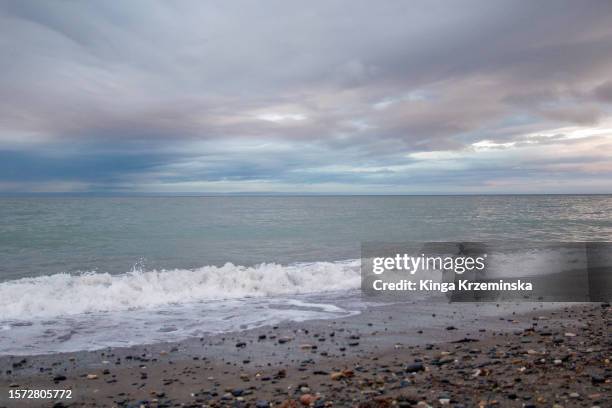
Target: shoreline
{"x": 534, "y": 357}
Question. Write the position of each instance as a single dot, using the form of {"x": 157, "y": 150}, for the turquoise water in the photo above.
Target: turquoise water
{"x": 42, "y": 236}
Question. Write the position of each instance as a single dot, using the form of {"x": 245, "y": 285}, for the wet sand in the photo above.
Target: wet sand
{"x": 467, "y": 357}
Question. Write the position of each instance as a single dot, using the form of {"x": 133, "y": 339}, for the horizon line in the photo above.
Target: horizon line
{"x": 275, "y": 194}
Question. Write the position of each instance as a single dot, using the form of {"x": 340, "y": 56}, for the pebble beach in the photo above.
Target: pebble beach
{"x": 542, "y": 358}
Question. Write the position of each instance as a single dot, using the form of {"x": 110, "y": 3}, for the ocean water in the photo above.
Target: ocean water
{"x": 91, "y": 272}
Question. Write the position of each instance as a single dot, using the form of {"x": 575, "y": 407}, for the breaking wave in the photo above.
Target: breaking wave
{"x": 66, "y": 294}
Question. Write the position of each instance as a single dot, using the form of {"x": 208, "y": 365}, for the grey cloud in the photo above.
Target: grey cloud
{"x": 582, "y": 115}
{"x": 604, "y": 92}
{"x": 174, "y": 74}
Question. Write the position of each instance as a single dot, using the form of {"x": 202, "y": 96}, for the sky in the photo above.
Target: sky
{"x": 331, "y": 97}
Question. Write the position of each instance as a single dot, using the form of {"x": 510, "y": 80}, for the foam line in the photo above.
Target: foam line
{"x": 65, "y": 294}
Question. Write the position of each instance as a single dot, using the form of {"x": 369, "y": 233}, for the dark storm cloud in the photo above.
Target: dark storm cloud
{"x": 181, "y": 93}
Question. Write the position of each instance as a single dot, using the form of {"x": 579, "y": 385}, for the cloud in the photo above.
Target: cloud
{"x": 157, "y": 95}
{"x": 604, "y": 92}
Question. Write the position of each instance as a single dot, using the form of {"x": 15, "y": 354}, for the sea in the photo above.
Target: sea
{"x": 85, "y": 273}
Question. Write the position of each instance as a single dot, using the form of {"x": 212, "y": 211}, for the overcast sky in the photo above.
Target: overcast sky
{"x": 306, "y": 97}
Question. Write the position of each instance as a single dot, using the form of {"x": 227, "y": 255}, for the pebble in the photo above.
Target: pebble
{"x": 305, "y": 346}
{"x": 415, "y": 367}
{"x": 307, "y": 399}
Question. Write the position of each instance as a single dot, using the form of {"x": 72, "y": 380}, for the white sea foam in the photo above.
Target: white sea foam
{"x": 65, "y": 294}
